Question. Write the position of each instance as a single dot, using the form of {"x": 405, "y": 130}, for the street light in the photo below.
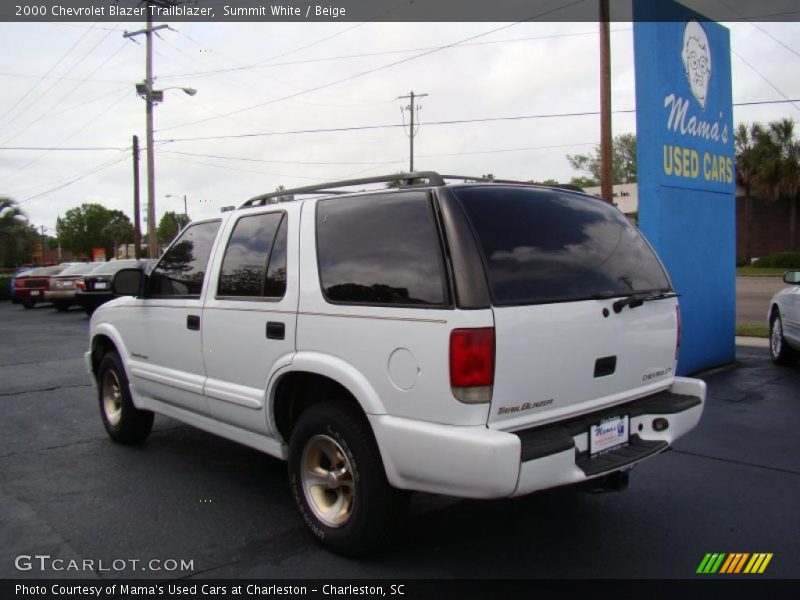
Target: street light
{"x": 185, "y": 211}
{"x": 153, "y": 97}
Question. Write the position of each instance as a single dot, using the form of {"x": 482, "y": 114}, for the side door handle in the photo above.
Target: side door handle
{"x": 276, "y": 330}
{"x": 193, "y": 322}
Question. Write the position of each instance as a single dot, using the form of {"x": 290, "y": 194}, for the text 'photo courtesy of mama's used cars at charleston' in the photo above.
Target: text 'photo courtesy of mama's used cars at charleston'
{"x": 452, "y": 336}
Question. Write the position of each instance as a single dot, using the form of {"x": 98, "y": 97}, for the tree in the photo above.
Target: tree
{"x": 119, "y": 230}
{"x": 170, "y": 225}
{"x": 85, "y": 227}
{"x": 18, "y": 238}
{"x": 768, "y": 163}
{"x": 623, "y": 162}
{"x": 746, "y": 144}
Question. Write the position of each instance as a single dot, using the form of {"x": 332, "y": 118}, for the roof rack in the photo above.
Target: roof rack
{"x": 408, "y": 180}
{"x": 432, "y": 177}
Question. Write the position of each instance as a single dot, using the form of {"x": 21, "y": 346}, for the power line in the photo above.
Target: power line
{"x": 62, "y": 149}
{"x": 91, "y": 121}
{"x": 50, "y": 70}
{"x": 375, "y": 163}
{"x": 282, "y": 162}
{"x": 69, "y": 93}
{"x": 374, "y": 70}
{"x": 101, "y": 167}
{"x": 380, "y": 53}
{"x": 448, "y": 122}
{"x": 764, "y": 77}
{"x": 72, "y": 68}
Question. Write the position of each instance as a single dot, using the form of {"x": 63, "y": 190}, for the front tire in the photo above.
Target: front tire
{"x": 779, "y": 350}
{"x": 124, "y": 423}
{"x": 338, "y": 481}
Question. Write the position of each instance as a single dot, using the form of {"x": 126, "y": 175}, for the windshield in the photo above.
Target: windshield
{"x": 112, "y": 267}
{"x": 542, "y": 245}
{"x": 78, "y": 269}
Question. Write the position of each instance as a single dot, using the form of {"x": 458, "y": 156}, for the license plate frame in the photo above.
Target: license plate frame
{"x": 609, "y": 434}
{"x": 34, "y": 292}
{"x": 101, "y": 285}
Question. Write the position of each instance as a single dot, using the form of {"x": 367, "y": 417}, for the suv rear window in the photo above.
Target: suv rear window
{"x": 542, "y": 246}
{"x": 380, "y": 249}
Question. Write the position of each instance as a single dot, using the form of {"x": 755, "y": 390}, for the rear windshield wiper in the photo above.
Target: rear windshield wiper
{"x": 635, "y": 300}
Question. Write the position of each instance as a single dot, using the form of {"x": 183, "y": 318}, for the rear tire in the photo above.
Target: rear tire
{"x": 124, "y": 423}
{"x": 27, "y": 304}
{"x": 338, "y": 481}
{"x": 61, "y": 306}
{"x": 779, "y": 350}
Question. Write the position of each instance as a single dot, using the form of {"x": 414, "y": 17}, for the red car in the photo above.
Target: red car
{"x": 30, "y": 287}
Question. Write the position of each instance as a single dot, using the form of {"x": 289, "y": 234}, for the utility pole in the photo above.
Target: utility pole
{"x": 137, "y": 228}
{"x": 411, "y": 108}
{"x": 606, "y": 181}
{"x": 150, "y": 96}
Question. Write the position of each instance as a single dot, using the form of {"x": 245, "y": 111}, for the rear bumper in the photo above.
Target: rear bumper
{"x": 59, "y": 295}
{"x": 92, "y": 300}
{"x": 29, "y": 295}
{"x": 478, "y": 462}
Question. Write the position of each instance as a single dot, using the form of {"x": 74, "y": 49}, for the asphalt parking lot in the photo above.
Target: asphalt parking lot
{"x": 68, "y": 492}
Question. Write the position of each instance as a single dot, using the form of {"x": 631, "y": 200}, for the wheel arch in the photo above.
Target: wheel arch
{"x": 104, "y": 340}
{"x": 313, "y": 378}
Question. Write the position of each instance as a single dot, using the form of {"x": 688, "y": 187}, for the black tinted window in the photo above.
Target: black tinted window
{"x": 181, "y": 270}
{"x": 244, "y": 267}
{"x": 275, "y": 283}
{"x": 547, "y": 246}
{"x": 380, "y": 250}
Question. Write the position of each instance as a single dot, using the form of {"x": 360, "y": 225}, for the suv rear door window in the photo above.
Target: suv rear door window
{"x": 255, "y": 259}
{"x": 182, "y": 269}
{"x": 544, "y": 246}
{"x": 380, "y": 249}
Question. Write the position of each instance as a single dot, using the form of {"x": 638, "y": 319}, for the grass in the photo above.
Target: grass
{"x": 751, "y": 330}
{"x": 759, "y": 272}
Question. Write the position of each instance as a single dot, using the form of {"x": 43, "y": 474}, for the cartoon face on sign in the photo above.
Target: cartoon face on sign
{"x": 697, "y": 60}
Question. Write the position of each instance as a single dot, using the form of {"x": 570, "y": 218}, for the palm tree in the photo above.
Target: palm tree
{"x": 783, "y": 134}
{"x": 11, "y": 222}
{"x": 768, "y": 166}
{"x": 746, "y": 140}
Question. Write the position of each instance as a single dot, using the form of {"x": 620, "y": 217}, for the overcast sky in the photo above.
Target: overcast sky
{"x": 72, "y": 86}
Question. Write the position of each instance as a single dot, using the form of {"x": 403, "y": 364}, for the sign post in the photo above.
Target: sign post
{"x": 685, "y": 171}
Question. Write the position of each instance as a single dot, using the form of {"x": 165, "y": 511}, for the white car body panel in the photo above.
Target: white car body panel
{"x": 394, "y": 361}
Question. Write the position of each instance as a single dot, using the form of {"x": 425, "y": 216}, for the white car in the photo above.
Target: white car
{"x": 481, "y": 340}
{"x": 784, "y": 322}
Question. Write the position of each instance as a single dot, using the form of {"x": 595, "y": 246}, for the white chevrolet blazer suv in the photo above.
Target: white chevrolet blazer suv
{"x": 475, "y": 339}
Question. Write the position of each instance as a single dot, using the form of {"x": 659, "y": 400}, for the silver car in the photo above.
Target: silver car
{"x": 784, "y": 322}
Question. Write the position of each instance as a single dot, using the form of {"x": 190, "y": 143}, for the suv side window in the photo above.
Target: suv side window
{"x": 254, "y": 264}
{"x": 380, "y": 250}
{"x": 182, "y": 269}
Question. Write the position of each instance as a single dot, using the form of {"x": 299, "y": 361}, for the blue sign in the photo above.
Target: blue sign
{"x": 685, "y": 172}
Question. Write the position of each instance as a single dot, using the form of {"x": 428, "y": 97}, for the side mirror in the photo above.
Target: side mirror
{"x": 792, "y": 277}
{"x": 128, "y": 282}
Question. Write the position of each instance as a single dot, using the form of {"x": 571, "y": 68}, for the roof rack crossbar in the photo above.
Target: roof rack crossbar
{"x": 432, "y": 177}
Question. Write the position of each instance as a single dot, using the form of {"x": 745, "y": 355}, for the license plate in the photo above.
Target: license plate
{"x": 608, "y": 434}
{"x": 101, "y": 285}
{"x": 34, "y": 292}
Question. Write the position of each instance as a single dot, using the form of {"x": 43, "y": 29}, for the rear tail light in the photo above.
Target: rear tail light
{"x": 680, "y": 332}
{"x": 80, "y": 284}
{"x": 472, "y": 364}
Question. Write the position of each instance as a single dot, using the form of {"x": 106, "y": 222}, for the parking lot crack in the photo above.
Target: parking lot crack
{"x": 47, "y": 389}
{"x": 738, "y": 462}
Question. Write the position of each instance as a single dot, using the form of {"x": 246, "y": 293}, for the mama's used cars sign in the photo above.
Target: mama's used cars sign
{"x": 685, "y": 152}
